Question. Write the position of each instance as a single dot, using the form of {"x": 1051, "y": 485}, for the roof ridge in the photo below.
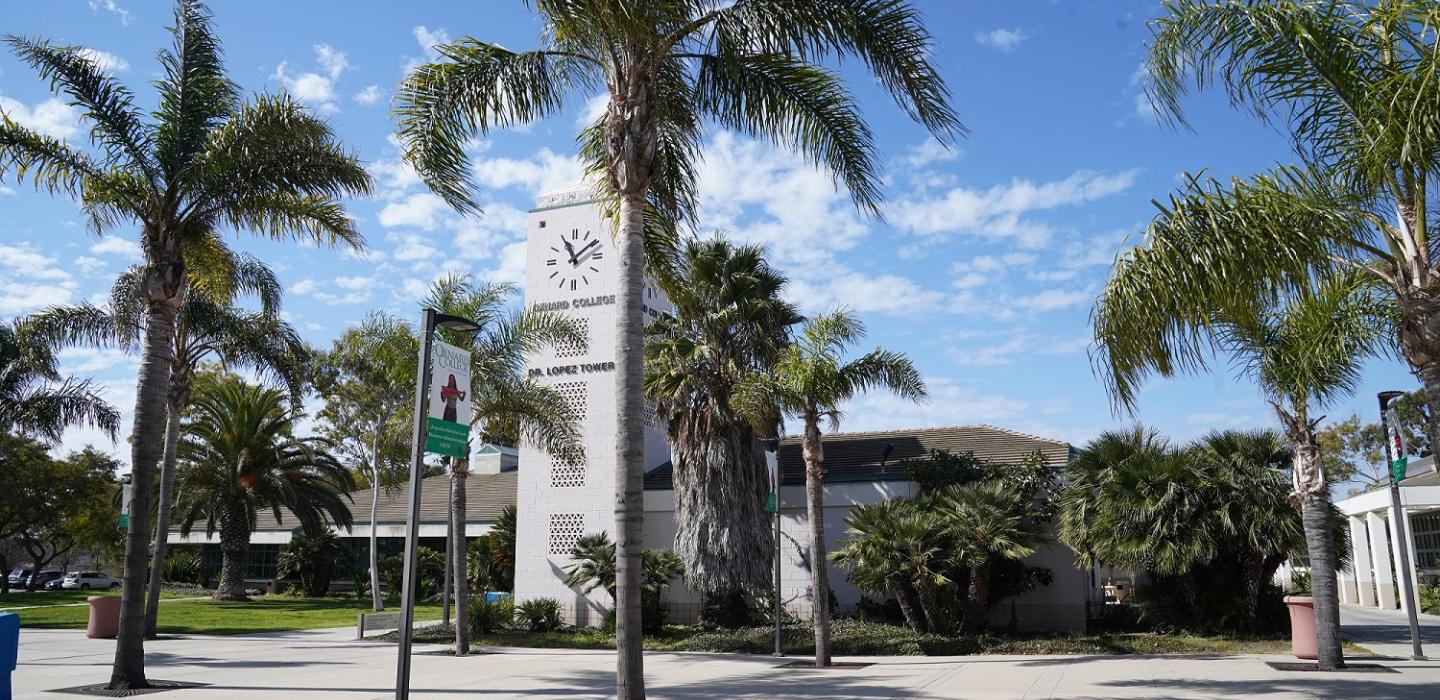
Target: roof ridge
{"x": 897, "y": 431}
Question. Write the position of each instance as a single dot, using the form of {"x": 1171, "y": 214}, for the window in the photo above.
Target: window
{"x": 567, "y": 471}
{"x": 565, "y": 530}
{"x": 576, "y": 349}
{"x": 575, "y": 397}
{"x": 1427, "y": 540}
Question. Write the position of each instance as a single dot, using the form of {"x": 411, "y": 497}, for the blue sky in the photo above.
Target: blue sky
{"x": 984, "y": 270}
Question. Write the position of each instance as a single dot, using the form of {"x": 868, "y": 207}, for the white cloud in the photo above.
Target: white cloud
{"x": 115, "y": 245}
{"x": 52, "y": 117}
{"x": 17, "y": 298}
{"x": 339, "y": 291}
{"x": 929, "y": 151}
{"x": 88, "y": 264}
{"x": 412, "y": 248}
{"x": 113, "y": 8}
{"x": 949, "y": 404}
{"x": 317, "y": 89}
{"x": 368, "y": 96}
{"x": 1019, "y": 344}
{"x": 25, "y": 260}
{"x": 429, "y": 38}
{"x": 420, "y": 210}
{"x": 883, "y": 293}
{"x": 106, "y": 62}
{"x": 546, "y": 170}
{"x": 1051, "y": 300}
{"x": 998, "y": 212}
{"x": 7, "y": 191}
{"x": 1003, "y": 39}
{"x": 512, "y": 266}
{"x": 87, "y": 360}
{"x": 594, "y": 107}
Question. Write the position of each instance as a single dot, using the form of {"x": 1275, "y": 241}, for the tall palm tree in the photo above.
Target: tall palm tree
{"x": 240, "y": 456}
{"x": 811, "y": 379}
{"x": 987, "y": 522}
{"x": 1353, "y": 85}
{"x": 666, "y": 66}
{"x": 1303, "y": 353}
{"x": 367, "y": 379}
{"x": 505, "y": 404}
{"x": 206, "y": 328}
{"x": 729, "y": 321}
{"x": 35, "y": 399}
{"x": 204, "y": 161}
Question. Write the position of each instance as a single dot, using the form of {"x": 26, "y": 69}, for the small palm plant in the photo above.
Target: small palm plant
{"x": 239, "y": 457}
{"x": 314, "y": 557}
{"x": 897, "y": 547}
{"x": 811, "y": 380}
{"x": 987, "y": 522}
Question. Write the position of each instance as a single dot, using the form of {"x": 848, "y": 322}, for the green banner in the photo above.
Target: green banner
{"x": 1398, "y": 468}
{"x": 770, "y": 503}
{"x": 446, "y": 437}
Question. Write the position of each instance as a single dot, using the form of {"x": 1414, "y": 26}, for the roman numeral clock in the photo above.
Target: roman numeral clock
{"x": 577, "y": 259}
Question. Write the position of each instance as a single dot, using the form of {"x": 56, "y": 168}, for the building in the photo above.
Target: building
{"x": 1372, "y": 578}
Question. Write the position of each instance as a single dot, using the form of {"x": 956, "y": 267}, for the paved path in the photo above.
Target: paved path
{"x": 327, "y": 664}
{"x": 1387, "y": 632}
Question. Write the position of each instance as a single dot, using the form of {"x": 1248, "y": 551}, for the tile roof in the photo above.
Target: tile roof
{"x": 857, "y": 456}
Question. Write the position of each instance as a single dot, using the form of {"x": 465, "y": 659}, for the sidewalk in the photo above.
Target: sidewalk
{"x": 328, "y": 664}
{"x": 1387, "y": 632}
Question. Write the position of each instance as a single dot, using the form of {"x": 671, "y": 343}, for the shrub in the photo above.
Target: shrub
{"x": 487, "y": 616}
{"x": 730, "y": 610}
{"x": 314, "y": 558}
{"x": 1299, "y": 583}
{"x": 182, "y": 567}
{"x": 1430, "y": 599}
{"x": 430, "y": 566}
{"x": 360, "y": 579}
{"x": 539, "y": 614}
{"x": 885, "y": 612}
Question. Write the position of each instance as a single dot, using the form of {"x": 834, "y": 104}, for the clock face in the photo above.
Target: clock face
{"x": 577, "y": 260}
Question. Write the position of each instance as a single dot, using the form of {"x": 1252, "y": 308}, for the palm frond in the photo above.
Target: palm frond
{"x": 195, "y": 95}
{"x": 49, "y": 162}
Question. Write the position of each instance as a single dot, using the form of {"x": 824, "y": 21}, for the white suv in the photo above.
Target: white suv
{"x": 86, "y": 580}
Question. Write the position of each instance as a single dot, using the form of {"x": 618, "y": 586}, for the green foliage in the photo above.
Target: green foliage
{"x": 539, "y": 614}
{"x": 482, "y": 568}
{"x": 35, "y": 399}
{"x": 182, "y": 566}
{"x": 487, "y": 616}
{"x": 429, "y": 566}
{"x": 1300, "y": 583}
{"x": 1352, "y": 450}
{"x": 50, "y": 507}
{"x": 367, "y": 379}
{"x": 1430, "y": 599}
{"x": 502, "y": 550}
{"x": 594, "y": 568}
{"x": 940, "y": 469}
{"x": 315, "y": 557}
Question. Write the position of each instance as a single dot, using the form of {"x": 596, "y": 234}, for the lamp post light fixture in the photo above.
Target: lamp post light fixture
{"x": 429, "y": 320}
{"x": 1396, "y": 460}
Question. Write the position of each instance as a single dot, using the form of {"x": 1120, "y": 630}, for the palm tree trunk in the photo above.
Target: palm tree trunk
{"x": 162, "y": 512}
{"x": 164, "y": 285}
{"x": 815, "y": 511}
{"x": 930, "y": 606}
{"x": 457, "y": 556}
{"x": 904, "y": 595}
{"x": 234, "y": 545}
{"x": 978, "y": 593}
{"x": 377, "y": 600}
{"x": 629, "y": 451}
{"x": 1313, "y": 492}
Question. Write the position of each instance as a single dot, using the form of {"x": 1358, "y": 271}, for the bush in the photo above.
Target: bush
{"x": 885, "y": 612}
{"x": 314, "y": 558}
{"x": 430, "y": 565}
{"x": 1430, "y": 599}
{"x": 731, "y": 610}
{"x": 539, "y": 614}
{"x": 489, "y": 616}
{"x": 360, "y": 583}
{"x": 1299, "y": 583}
{"x": 182, "y": 567}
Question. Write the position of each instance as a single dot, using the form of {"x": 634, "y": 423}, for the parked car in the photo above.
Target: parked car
{"x": 18, "y": 575}
{"x": 86, "y": 580}
{"x": 54, "y": 585}
{"x": 39, "y": 580}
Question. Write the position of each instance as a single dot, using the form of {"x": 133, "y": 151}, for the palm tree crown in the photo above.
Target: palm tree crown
{"x": 36, "y": 399}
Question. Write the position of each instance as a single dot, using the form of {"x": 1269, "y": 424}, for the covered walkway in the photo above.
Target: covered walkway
{"x": 1373, "y": 577}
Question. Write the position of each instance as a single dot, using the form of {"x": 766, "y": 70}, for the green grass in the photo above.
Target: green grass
{"x": 262, "y": 614}
{"x": 857, "y": 638}
{"x": 62, "y": 597}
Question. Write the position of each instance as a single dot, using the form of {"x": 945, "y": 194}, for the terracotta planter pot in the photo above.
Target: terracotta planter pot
{"x": 1303, "y": 643}
{"x": 104, "y": 617}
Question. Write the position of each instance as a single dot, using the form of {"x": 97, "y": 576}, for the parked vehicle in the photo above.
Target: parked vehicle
{"x": 54, "y": 585}
{"x": 18, "y": 575}
{"x": 39, "y": 580}
{"x": 86, "y": 580}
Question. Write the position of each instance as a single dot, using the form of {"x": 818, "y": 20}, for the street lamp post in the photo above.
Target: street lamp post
{"x": 429, "y": 320}
{"x": 1394, "y": 450}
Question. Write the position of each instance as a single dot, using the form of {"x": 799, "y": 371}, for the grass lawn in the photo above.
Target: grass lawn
{"x": 18, "y": 599}
{"x": 262, "y": 614}
{"x": 856, "y": 638}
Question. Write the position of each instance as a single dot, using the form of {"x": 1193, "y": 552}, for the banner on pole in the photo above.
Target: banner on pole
{"x": 125, "y": 497}
{"x": 1395, "y": 445}
{"x": 772, "y": 466}
{"x": 448, "y": 422}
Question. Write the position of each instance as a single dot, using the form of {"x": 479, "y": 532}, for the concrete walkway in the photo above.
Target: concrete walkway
{"x": 328, "y": 664}
{"x": 1387, "y": 632}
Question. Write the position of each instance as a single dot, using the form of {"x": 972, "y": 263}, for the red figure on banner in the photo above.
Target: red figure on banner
{"x": 450, "y": 394}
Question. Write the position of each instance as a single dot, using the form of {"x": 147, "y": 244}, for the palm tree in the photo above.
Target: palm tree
{"x": 1303, "y": 353}
{"x": 35, "y": 399}
{"x": 505, "y": 404}
{"x": 240, "y": 456}
{"x": 206, "y": 328}
{"x": 811, "y": 380}
{"x": 367, "y": 379}
{"x": 667, "y": 66}
{"x": 1353, "y": 84}
{"x": 204, "y": 161}
{"x": 729, "y": 321}
{"x": 503, "y": 551}
{"x": 987, "y": 522}
{"x": 898, "y": 547}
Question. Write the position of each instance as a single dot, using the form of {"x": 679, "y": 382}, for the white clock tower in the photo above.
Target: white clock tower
{"x": 571, "y": 270}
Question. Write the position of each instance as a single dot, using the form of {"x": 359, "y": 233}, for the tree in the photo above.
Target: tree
{"x": 1303, "y": 353}
{"x": 811, "y": 380}
{"x": 898, "y": 547}
{"x": 367, "y": 379}
{"x": 239, "y": 457}
{"x": 596, "y": 567}
{"x": 23, "y": 458}
{"x": 987, "y": 522}
{"x": 207, "y": 328}
{"x": 504, "y": 402}
{"x": 72, "y": 504}
{"x": 35, "y": 399}
{"x": 503, "y": 532}
{"x": 667, "y": 66}
{"x": 204, "y": 161}
{"x": 1352, "y": 84}
{"x": 1353, "y": 450}
{"x": 729, "y": 321}
{"x": 314, "y": 557}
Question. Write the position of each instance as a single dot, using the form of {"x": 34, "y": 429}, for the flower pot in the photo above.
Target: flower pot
{"x": 104, "y": 622}
{"x": 1303, "y": 643}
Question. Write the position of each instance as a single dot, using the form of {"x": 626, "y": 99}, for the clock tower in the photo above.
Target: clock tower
{"x": 571, "y": 270}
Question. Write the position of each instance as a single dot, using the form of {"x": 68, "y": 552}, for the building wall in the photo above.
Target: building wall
{"x": 557, "y": 501}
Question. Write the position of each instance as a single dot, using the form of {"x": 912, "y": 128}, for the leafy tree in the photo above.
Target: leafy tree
{"x": 204, "y": 161}
{"x": 987, "y": 522}
{"x": 35, "y": 399}
{"x": 1353, "y": 451}
{"x": 503, "y": 534}
{"x": 49, "y": 507}
{"x": 729, "y": 321}
{"x": 23, "y": 458}
{"x": 896, "y": 547}
{"x": 207, "y": 328}
{"x": 314, "y": 557}
{"x": 368, "y": 381}
{"x": 666, "y": 67}
{"x": 239, "y": 456}
{"x": 811, "y": 379}
{"x": 503, "y": 400}
{"x": 596, "y": 567}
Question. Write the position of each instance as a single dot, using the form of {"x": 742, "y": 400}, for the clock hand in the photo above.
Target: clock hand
{"x": 585, "y": 252}
{"x": 571, "y": 250}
